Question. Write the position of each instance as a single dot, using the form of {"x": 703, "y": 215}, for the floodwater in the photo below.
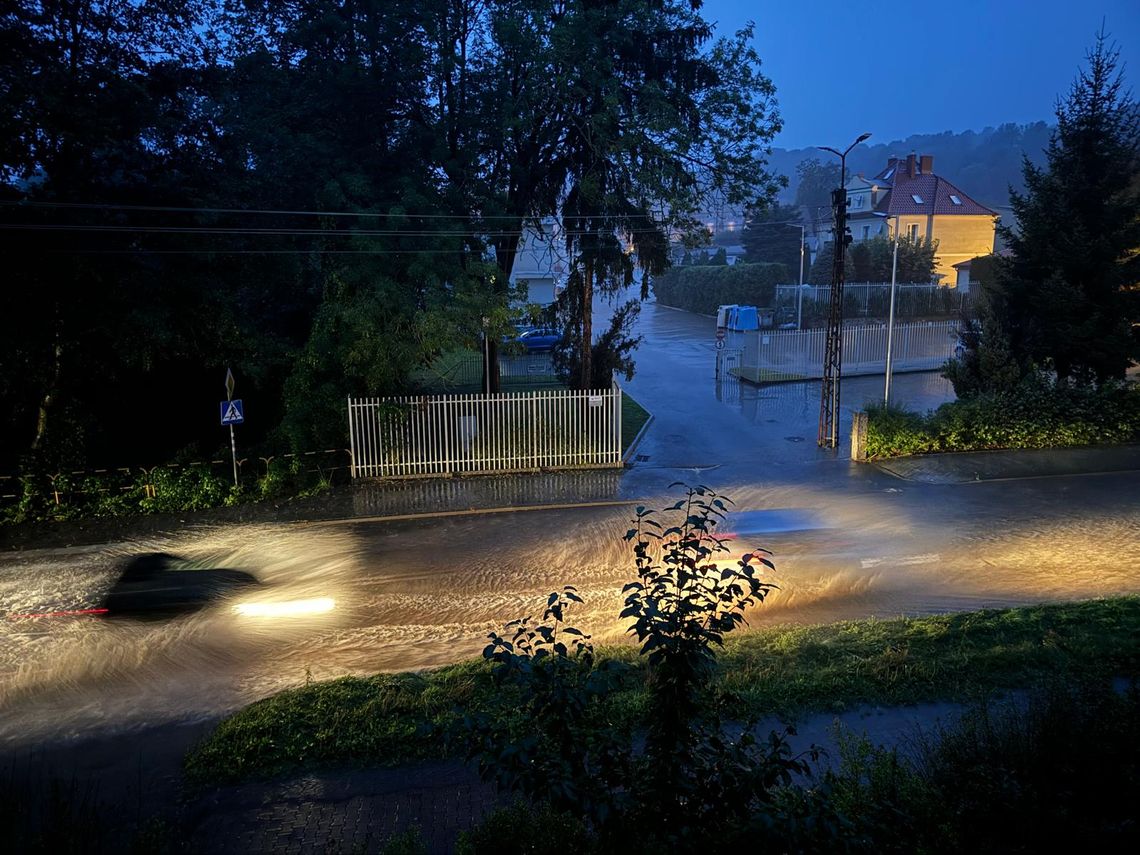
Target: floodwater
{"x": 417, "y": 594}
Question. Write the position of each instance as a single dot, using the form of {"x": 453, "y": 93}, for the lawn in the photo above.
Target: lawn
{"x": 395, "y": 718}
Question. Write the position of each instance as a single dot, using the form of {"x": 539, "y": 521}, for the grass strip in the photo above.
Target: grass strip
{"x": 633, "y": 418}
{"x": 394, "y": 718}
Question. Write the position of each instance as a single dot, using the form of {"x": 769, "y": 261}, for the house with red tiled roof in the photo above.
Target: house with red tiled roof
{"x": 908, "y": 195}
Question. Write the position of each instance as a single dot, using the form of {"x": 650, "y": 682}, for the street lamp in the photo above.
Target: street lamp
{"x": 891, "y": 315}
{"x": 800, "y": 290}
{"x": 829, "y": 393}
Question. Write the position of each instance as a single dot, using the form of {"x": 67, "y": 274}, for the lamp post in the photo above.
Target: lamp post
{"x": 891, "y": 314}
{"x": 800, "y": 290}
{"x": 829, "y": 395}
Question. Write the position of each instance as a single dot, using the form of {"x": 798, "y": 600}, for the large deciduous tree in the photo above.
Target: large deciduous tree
{"x": 664, "y": 121}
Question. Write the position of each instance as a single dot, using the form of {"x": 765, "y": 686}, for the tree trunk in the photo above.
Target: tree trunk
{"x": 50, "y": 394}
{"x": 587, "y": 324}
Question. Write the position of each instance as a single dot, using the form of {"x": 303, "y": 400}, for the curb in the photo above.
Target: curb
{"x": 625, "y": 458}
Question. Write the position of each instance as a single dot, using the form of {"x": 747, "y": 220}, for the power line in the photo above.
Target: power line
{"x": 286, "y": 212}
{"x": 268, "y": 252}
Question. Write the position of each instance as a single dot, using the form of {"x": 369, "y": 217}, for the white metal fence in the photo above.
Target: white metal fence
{"x": 504, "y": 432}
{"x": 798, "y": 354}
{"x": 871, "y": 300}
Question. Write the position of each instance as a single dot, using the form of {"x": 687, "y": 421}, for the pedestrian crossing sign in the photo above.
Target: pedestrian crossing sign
{"x": 232, "y": 412}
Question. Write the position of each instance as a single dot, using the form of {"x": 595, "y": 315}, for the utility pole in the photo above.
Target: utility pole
{"x": 891, "y": 317}
{"x": 829, "y": 395}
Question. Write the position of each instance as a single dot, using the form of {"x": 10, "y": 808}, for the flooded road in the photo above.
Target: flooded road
{"x": 416, "y": 594}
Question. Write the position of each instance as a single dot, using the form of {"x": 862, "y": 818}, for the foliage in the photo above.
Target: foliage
{"x": 1068, "y": 296}
{"x": 561, "y": 756}
{"x": 705, "y": 289}
{"x": 633, "y": 418}
{"x": 872, "y": 260}
{"x": 523, "y": 830}
{"x": 1056, "y": 772}
{"x": 824, "y": 259}
{"x": 814, "y": 182}
{"x": 787, "y": 670}
{"x": 640, "y": 165}
{"x": 612, "y": 351}
{"x": 771, "y": 234}
{"x": 1038, "y": 413}
{"x": 164, "y": 489}
{"x": 691, "y": 782}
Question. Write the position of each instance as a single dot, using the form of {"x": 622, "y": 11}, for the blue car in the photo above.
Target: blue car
{"x": 539, "y": 340}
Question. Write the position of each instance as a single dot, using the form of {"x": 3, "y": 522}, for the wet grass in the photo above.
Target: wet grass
{"x": 390, "y": 719}
{"x": 633, "y": 418}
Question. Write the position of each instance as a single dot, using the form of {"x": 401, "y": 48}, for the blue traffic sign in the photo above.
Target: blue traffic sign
{"x": 232, "y": 412}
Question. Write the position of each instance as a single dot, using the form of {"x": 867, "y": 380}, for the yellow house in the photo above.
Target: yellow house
{"x": 924, "y": 205}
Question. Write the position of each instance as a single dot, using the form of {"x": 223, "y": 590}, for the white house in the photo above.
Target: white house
{"x": 541, "y": 263}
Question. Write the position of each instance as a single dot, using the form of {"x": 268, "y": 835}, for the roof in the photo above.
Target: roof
{"x": 923, "y": 195}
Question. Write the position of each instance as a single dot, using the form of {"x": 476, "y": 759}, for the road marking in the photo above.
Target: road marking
{"x": 929, "y": 558}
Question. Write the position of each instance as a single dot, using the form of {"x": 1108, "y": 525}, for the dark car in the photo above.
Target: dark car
{"x": 537, "y": 340}
{"x": 157, "y": 583}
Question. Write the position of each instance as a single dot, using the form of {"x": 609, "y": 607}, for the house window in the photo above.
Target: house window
{"x": 955, "y": 199}
{"x": 912, "y": 231}
{"x": 917, "y": 198}
{"x": 866, "y": 232}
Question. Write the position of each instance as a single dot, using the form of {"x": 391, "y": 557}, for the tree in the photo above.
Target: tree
{"x": 816, "y": 180}
{"x": 872, "y": 260}
{"x": 772, "y": 234}
{"x": 664, "y": 120}
{"x": 1068, "y": 295}
{"x": 821, "y": 267}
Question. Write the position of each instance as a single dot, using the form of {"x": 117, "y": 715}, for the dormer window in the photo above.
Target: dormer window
{"x": 955, "y": 199}
{"x": 917, "y": 198}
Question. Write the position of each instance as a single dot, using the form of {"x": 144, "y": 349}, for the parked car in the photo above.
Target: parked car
{"x": 540, "y": 340}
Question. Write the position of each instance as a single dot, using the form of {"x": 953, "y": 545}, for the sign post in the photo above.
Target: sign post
{"x": 232, "y": 414}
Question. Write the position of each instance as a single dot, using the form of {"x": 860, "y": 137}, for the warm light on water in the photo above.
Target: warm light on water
{"x": 359, "y": 598}
{"x": 289, "y": 609}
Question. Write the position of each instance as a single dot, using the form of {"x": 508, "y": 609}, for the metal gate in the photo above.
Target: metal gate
{"x": 505, "y": 432}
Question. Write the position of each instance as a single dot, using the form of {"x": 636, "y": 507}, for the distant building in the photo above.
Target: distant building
{"x": 541, "y": 262}
{"x": 927, "y": 206}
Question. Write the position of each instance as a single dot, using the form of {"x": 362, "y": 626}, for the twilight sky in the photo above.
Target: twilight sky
{"x": 894, "y": 69}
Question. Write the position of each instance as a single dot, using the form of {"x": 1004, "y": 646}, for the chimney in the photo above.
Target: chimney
{"x": 910, "y": 165}
{"x": 926, "y": 164}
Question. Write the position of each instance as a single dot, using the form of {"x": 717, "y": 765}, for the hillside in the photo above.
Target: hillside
{"x": 984, "y": 164}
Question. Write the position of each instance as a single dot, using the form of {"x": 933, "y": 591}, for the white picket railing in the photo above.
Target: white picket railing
{"x": 798, "y": 354}
{"x": 505, "y": 432}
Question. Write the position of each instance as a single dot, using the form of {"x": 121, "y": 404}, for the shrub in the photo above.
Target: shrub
{"x": 190, "y": 489}
{"x": 690, "y": 783}
{"x": 1038, "y": 413}
{"x": 524, "y": 830}
{"x": 706, "y": 288}
{"x": 1060, "y": 772}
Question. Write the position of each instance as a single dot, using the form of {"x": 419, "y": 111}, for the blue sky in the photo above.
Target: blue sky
{"x": 955, "y": 65}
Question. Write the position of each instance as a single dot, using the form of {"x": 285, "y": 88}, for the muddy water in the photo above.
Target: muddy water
{"x": 417, "y": 594}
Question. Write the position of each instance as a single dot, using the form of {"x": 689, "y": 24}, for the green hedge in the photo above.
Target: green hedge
{"x": 704, "y": 289}
{"x": 1036, "y": 415}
